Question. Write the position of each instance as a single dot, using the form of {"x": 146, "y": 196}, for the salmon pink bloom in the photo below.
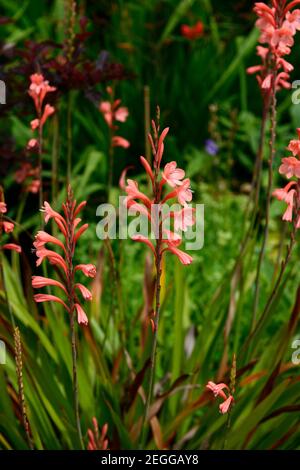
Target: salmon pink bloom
{"x": 173, "y": 175}
{"x": 39, "y": 281}
{"x": 50, "y": 298}
{"x": 32, "y": 144}
{"x": 290, "y": 167}
{"x": 6, "y": 227}
{"x": 290, "y": 194}
{"x": 294, "y": 147}
{"x": 38, "y": 90}
{"x": 12, "y": 246}
{"x": 89, "y": 270}
{"x": 184, "y": 218}
{"x": 278, "y": 26}
{"x": 86, "y": 294}
{"x": 67, "y": 225}
{"x": 3, "y": 208}
{"x": 217, "y": 389}
{"x": 113, "y": 112}
{"x": 118, "y": 141}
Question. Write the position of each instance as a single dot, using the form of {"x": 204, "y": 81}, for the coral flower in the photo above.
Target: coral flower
{"x": 3, "y": 208}
{"x": 7, "y": 227}
{"x": 118, "y": 141}
{"x": 290, "y": 194}
{"x": 173, "y": 177}
{"x": 290, "y": 167}
{"x": 12, "y": 247}
{"x": 218, "y": 391}
{"x": 278, "y": 27}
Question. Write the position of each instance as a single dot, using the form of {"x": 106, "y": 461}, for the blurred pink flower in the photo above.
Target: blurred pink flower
{"x": 290, "y": 167}
{"x": 278, "y": 26}
{"x": 38, "y": 90}
{"x": 8, "y": 227}
{"x": 3, "y": 208}
{"x": 224, "y": 407}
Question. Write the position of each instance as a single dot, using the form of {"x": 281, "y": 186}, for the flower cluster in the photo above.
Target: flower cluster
{"x": 290, "y": 194}
{"x": 153, "y": 208}
{"x": 218, "y": 391}
{"x": 97, "y": 440}
{"x": 38, "y": 90}
{"x": 192, "y": 32}
{"x": 278, "y": 26}
{"x": 112, "y": 113}
{"x": 7, "y": 227}
{"x": 69, "y": 227}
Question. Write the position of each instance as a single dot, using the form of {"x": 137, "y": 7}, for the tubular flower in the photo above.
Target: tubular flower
{"x": 277, "y": 25}
{"x": 6, "y": 227}
{"x": 153, "y": 207}
{"x": 113, "y": 113}
{"x": 71, "y": 232}
{"x": 97, "y": 440}
{"x": 290, "y": 194}
{"x": 219, "y": 391}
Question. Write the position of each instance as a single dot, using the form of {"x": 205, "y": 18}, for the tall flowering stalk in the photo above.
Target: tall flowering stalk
{"x": 68, "y": 225}
{"x": 113, "y": 112}
{"x": 226, "y": 393}
{"x": 278, "y": 25}
{"x": 38, "y": 90}
{"x": 6, "y": 228}
{"x": 165, "y": 240}
{"x": 290, "y": 194}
